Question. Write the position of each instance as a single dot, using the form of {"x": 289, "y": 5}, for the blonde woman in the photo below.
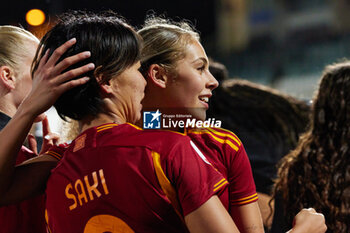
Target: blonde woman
{"x": 17, "y": 50}
{"x": 176, "y": 68}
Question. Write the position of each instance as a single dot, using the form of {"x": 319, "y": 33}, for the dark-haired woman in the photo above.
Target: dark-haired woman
{"x": 316, "y": 173}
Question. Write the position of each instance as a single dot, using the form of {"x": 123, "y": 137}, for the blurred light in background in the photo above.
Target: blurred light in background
{"x": 35, "y": 17}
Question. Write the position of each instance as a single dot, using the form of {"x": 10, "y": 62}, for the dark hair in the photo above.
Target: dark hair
{"x": 266, "y": 120}
{"x": 114, "y": 47}
{"x": 317, "y": 172}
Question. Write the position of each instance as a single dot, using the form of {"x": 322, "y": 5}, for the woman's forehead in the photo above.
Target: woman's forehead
{"x": 194, "y": 50}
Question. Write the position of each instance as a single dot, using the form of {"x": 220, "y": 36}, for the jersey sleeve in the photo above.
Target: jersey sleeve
{"x": 242, "y": 187}
{"x": 57, "y": 151}
{"x": 193, "y": 177}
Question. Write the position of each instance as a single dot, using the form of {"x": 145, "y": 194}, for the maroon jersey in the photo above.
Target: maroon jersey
{"x": 57, "y": 151}
{"x": 226, "y": 152}
{"x": 121, "y": 177}
{"x": 27, "y": 216}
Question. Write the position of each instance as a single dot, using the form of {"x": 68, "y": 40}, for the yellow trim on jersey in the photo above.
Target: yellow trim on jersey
{"x": 226, "y": 135}
{"x": 245, "y": 200}
{"x": 229, "y": 132}
{"x": 165, "y": 184}
{"x": 223, "y": 179}
{"x": 220, "y": 184}
{"x": 104, "y": 127}
{"x": 173, "y": 131}
{"x": 135, "y": 126}
{"x": 54, "y": 154}
{"x": 47, "y": 221}
{"x": 168, "y": 130}
{"x": 222, "y": 141}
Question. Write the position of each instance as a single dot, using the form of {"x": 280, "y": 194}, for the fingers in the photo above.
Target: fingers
{"x": 32, "y": 144}
{"x": 312, "y": 210}
{"x": 76, "y": 72}
{"x": 54, "y": 137}
{"x": 67, "y": 62}
{"x": 44, "y": 59}
{"x": 46, "y": 127}
{"x": 49, "y": 140}
{"x": 71, "y": 84}
{"x": 310, "y": 221}
{"x": 321, "y": 221}
{"x": 60, "y": 51}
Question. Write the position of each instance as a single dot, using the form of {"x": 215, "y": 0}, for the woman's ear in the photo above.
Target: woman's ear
{"x": 157, "y": 75}
{"x": 7, "y": 78}
{"x": 105, "y": 86}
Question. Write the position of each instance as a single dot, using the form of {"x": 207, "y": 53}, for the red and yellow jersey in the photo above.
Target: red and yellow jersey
{"x": 28, "y": 215}
{"x": 225, "y": 151}
{"x": 119, "y": 178}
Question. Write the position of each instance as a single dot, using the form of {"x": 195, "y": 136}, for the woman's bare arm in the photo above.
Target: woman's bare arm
{"x": 211, "y": 217}
{"x": 48, "y": 85}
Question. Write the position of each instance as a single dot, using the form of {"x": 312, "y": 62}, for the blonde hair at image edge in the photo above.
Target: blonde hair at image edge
{"x": 13, "y": 45}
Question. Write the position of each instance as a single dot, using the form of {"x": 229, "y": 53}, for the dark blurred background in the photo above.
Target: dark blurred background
{"x": 200, "y": 13}
{"x": 281, "y": 43}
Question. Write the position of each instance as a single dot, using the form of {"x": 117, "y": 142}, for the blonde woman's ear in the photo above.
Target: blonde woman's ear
{"x": 157, "y": 75}
{"x": 7, "y": 78}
